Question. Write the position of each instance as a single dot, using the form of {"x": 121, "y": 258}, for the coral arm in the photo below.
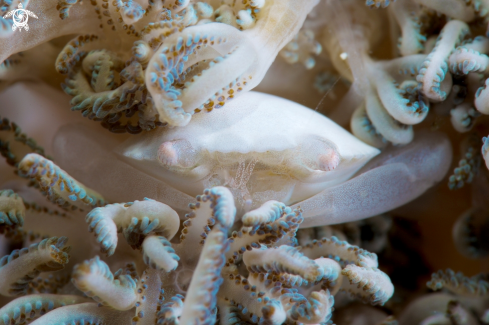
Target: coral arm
{"x": 280, "y": 231}
{"x": 86, "y": 313}
{"x": 233, "y": 52}
{"x": 12, "y": 209}
{"x": 402, "y": 102}
{"x": 151, "y": 295}
{"x": 94, "y": 278}
{"x": 463, "y": 117}
{"x": 435, "y": 66}
{"x": 267, "y": 213}
{"x": 468, "y": 232}
{"x": 457, "y": 283}
{"x": 362, "y": 127}
{"x": 238, "y": 59}
{"x": 332, "y": 278}
{"x": 259, "y": 309}
{"x": 31, "y": 307}
{"x": 34, "y": 306}
{"x": 101, "y": 222}
{"x": 228, "y": 314}
{"x": 279, "y": 21}
{"x": 471, "y": 57}
{"x": 285, "y": 259}
{"x": 340, "y": 251}
{"x": 158, "y": 253}
{"x": 19, "y": 268}
{"x": 482, "y": 98}
{"x": 14, "y": 144}
{"x": 315, "y": 309}
{"x": 201, "y": 295}
{"x": 201, "y": 299}
{"x": 369, "y": 284}
{"x": 465, "y": 60}
{"x": 145, "y": 217}
{"x": 412, "y": 41}
{"x": 201, "y": 219}
{"x": 392, "y": 102}
{"x": 273, "y": 289}
{"x": 457, "y": 9}
{"x": 135, "y": 220}
{"x": 175, "y": 106}
{"x": 33, "y": 64}
{"x": 384, "y": 124}
{"x": 171, "y": 311}
{"x": 392, "y": 179}
{"x": 197, "y": 224}
{"x": 59, "y": 187}
{"x": 478, "y": 44}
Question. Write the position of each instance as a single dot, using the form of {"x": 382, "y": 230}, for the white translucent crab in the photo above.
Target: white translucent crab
{"x": 262, "y": 148}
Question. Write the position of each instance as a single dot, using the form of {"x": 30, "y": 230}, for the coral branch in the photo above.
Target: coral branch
{"x": 58, "y": 186}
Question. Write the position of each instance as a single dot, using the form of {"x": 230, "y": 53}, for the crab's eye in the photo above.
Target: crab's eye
{"x": 318, "y": 154}
{"x": 167, "y": 154}
{"x": 329, "y": 160}
{"x": 176, "y": 153}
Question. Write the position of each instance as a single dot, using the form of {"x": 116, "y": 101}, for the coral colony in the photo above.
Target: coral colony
{"x": 181, "y": 196}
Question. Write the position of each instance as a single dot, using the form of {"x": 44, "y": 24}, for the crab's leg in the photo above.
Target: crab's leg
{"x": 86, "y": 156}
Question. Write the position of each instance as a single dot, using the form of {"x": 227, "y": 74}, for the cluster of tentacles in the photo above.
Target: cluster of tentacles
{"x": 257, "y": 274}
{"x": 464, "y": 301}
{"x": 137, "y": 67}
{"x": 440, "y": 62}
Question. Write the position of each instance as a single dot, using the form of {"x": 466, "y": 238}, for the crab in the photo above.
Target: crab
{"x": 262, "y": 148}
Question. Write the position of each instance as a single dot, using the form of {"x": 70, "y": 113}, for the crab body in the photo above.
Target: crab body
{"x": 260, "y": 146}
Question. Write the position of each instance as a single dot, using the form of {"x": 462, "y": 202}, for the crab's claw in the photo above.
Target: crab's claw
{"x": 397, "y": 176}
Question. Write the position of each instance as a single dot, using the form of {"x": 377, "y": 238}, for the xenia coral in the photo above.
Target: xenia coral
{"x": 256, "y": 274}
{"x": 209, "y": 203}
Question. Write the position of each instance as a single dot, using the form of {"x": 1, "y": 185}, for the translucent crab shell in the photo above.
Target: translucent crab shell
{"x": 260, "y": 146}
